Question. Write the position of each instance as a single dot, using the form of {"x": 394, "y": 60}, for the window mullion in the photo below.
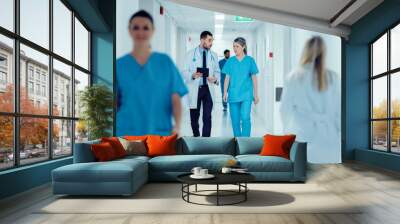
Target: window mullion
{"x": 371, "y": 89}
{"x": 50, "y": 81}
{"x": 73, "y": 82}
{"x": 389, "y": 104}
{"x": 16, "y": 70}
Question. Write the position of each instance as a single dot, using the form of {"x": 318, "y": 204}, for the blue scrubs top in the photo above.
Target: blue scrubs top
{"x": 222, "y": 63}
{"x": 240, "y": 84}
{"x": 145, "y": 95}
{"x": 222, "y": 77}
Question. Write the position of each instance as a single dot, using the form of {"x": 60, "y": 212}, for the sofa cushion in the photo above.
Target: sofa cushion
{"x": 83, "y": 152}
{"x": 112, "y": 171}
{"x": 185, "y": 163}
{"x": 116, "y": 145}
{"x": 206, "y": 145}
{"x": 257, "y": 163}
{"x": 277, "y": 145}
{"x": 249, "y": 145}
{"x": 135, "y": 147}
{"x": 161, "y": 145}
{"x": 135, "y": 138}
{"x": 133, "y": 158}
{"x": 103, "y": 152}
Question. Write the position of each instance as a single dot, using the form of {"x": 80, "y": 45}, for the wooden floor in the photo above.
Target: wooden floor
{"x": 377, "y": 188}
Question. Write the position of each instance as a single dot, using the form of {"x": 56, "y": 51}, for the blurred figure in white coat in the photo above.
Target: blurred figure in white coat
{"x": 310, "y": 106}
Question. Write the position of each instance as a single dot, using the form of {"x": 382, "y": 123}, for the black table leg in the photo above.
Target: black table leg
{"x": 217, "y": 194}
{"x": 245, "y": 193}
{"x": 188, "y": 190}
{"x": 220, "y": 193}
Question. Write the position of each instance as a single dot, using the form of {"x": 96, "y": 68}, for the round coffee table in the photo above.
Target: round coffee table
{"x": 238, "y": 179}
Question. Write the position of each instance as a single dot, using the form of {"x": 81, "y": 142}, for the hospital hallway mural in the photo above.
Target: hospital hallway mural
{"x": 276, "y": 50}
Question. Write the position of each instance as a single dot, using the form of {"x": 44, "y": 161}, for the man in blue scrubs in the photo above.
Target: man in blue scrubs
{"x": 222, "y": 62}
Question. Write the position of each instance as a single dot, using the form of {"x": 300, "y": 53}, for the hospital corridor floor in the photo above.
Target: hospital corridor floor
{"x": 221, "y": 123}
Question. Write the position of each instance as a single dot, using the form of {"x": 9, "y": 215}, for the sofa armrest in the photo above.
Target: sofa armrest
{"x": 83, "y": 152}
{"x": 298, "y": 155}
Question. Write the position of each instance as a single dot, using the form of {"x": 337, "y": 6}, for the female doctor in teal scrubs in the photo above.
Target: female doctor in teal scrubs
{"x": 149, "y": 85}
{"x": 240, "y": 87}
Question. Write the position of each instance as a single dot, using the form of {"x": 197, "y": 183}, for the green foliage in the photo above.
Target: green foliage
{"x": 96, "y": 102}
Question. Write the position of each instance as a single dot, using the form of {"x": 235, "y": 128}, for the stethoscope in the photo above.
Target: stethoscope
{"x": 198, "y": 49}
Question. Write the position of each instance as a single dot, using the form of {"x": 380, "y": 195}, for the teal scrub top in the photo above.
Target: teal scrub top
{"x": 145, "y": 92}
{"x": 240, "y": 84}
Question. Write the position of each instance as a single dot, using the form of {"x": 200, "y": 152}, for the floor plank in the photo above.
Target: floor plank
{"x": 377, "y": 189}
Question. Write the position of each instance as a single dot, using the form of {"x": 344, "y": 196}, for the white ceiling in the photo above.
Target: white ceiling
{"x": 319, "y": 9}
{"x": 197, "y": 20}
{"x": 313, "y": 15}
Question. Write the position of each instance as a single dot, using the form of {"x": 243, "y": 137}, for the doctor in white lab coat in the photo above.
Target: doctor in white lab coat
{"x": 201, "y": 88}
{"x": 310, "y": 106}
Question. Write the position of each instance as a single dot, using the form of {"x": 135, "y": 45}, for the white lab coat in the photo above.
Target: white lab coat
{"x": 312, "y": 115}
{"x": 194, "y": 59}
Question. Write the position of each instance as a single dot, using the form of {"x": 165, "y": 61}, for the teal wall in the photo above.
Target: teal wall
{"x": 102, "y": 58}
{"x": 24, "y": 178}
{"x": 381, "y": 159}
{"x": 99, "y": 15}
{"x": 357, "y": 98}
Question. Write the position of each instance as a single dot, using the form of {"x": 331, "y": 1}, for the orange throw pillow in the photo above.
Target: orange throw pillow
{"x": 277, "y": 145}
{"x": 116, "y": 145}
{"x": 161, "y": 145}
{"x": 103, "y": 152}
{"x": 136, "y": 138}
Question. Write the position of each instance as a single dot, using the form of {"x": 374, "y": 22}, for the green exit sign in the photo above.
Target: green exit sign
{"x": 241, "y": 19}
